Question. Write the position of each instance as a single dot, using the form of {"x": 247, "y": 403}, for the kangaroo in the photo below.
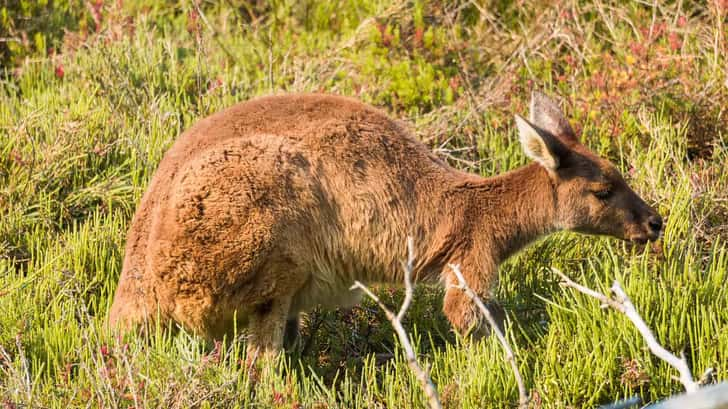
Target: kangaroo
{"x": 276, "y": 205}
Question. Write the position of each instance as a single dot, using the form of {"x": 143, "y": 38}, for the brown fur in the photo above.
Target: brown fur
{"x": 276, "y": 205}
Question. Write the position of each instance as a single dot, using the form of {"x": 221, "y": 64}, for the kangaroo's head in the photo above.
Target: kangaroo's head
{"x": 591, "y": 195}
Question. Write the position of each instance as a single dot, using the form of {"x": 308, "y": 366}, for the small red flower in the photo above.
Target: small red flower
{"x": 638, "y": 49}
{"x": 454, "y": 83}
{"x": 675, "y": 41}
{"x": 214, "y": 84}
{"x": 193, "y": 26}
{"x": 419, "y": 35}
{"x": 278, "y": 398}
{"x": 682, "y": 21}
{"x": 599, "y": 81}
{"x": 570, "y": 60}
{"x": 659, "y": 29}
{"x": 721, "y": 5}
{"x": 59, "y": 71}
{"x": 17, "y": 157}
{"x": 96, "y": 13}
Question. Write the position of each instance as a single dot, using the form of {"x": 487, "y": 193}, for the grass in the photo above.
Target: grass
{"x": 82, "y": 130}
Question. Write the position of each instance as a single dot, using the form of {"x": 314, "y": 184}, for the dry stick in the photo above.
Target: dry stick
{"x": 407, "y": 278}
{"x": 27, "y": 384}
{"x": 215, "y": 34}
{"x": 396, "y": 320}
{"x": 510, "y": 357}
{"x": 623, "y": 304}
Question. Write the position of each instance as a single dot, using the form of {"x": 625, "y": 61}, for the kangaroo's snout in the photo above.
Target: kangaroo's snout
{"x": 654, "y": 224}
{"x": 649, "y": 229}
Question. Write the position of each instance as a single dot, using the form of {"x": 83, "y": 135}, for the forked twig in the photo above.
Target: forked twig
{"x": 396, "y": 320}
{"x": 621, "y": 302}
{"x": 510, "y": 357}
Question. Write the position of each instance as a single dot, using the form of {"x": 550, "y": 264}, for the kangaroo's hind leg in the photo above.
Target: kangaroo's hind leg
{"x": 291, "y": 334}
{"x": 267, "y": 323}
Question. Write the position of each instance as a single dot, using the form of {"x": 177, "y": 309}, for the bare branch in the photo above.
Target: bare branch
{"x": 422, "y": 376}
{"x": 686, "y": 378}
{"x": 623, "y": 304}
{"x": 408, "y": 277}
{"x": 567, "y": 282}
{"x": 463, "y": 285}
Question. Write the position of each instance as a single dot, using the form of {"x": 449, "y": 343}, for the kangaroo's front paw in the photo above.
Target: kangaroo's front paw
{"x": 466, "y": 317}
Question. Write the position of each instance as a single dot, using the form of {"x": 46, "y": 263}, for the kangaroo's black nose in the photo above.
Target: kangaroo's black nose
{"x": 655, "y": 223}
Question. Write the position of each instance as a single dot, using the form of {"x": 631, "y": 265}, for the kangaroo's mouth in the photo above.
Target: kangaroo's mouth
{"x": 639, "y": 239}
{"x": 642, "y": 235}
{"x": 644, "y": 238}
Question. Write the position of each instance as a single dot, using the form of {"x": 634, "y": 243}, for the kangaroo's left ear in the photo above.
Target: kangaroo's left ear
{"x": 546, "y": 114}
{"x": 540, "y": 145}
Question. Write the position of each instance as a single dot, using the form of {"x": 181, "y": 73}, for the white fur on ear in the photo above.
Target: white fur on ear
{"x": 535, "y": 145}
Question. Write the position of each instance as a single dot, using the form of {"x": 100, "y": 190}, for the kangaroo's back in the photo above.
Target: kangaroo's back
{"x": 301, "y": 191}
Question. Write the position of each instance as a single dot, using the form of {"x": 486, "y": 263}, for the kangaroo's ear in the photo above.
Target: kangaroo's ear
{"x": 546, "y": 114}
{"x": 540, "y": 145}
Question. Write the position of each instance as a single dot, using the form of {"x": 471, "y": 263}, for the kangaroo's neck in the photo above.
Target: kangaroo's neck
{"x": 507, "y": 212}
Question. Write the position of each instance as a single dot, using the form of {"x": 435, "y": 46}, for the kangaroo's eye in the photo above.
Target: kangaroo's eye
{"x": 602, "y": 194}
